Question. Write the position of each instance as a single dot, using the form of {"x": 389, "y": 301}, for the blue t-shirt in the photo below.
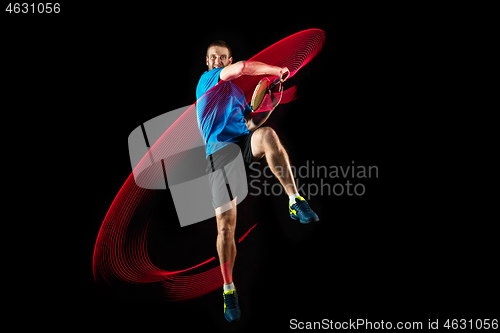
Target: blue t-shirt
{"x": 220, "y": 111}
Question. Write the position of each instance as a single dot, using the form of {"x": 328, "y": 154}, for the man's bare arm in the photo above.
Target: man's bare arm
{"x": 240, "y": 68}
{"x": 234, "y": 71}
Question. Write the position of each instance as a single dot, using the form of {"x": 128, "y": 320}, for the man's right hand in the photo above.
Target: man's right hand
{"x": 285, "y": 72}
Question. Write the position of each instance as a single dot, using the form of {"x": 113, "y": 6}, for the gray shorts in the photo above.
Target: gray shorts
{"x": 227, "y": 175}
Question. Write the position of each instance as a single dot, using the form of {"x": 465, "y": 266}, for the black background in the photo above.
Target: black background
{"x": 411, "y": 248}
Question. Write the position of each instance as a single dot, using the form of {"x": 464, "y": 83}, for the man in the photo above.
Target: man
{"x": 226, "y": 121}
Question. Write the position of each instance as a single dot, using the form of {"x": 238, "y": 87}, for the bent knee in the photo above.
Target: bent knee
{"x": 268, "y": 135}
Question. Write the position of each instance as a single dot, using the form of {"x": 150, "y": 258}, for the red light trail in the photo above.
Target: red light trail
{"x": 120, "y": 252}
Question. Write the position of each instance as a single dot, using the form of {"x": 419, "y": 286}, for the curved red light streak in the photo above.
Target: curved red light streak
{"x": 120, "y": 252}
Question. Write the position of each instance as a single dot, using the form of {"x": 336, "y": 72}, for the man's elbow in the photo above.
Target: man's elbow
{"x": 240, "y": 68}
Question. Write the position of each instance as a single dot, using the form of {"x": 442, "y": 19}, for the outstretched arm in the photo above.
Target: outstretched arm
{"x": 234, "y": 71}
{"x": 240, "y": 68}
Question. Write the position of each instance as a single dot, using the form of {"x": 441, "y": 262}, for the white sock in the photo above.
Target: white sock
{"x": 228, "y": 287}
{"x": 292, "y": 197}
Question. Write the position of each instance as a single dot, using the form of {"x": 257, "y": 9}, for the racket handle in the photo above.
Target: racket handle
{"x": 275, "y": 82}
{"x": 278, "y": 80}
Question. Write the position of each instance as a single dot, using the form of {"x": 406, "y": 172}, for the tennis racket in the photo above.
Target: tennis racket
{"x": 264, "y": 87}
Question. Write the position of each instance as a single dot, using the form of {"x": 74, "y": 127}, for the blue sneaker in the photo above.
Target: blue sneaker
{"x": 301, "y": 211}
{"x": 231, "y": 307}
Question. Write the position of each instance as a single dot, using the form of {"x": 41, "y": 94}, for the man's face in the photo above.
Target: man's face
{"x": 218, "y": 56}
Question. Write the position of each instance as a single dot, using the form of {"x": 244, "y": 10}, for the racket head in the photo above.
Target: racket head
{"x": 259, "y": 93}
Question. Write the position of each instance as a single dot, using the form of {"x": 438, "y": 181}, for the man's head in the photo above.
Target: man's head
{"x": 218, "y": 55}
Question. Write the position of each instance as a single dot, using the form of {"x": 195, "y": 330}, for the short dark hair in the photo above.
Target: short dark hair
{"x": 220, "y": 43}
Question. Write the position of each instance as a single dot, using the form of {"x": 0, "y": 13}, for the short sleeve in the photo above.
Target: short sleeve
{"x": 207, "y": 81}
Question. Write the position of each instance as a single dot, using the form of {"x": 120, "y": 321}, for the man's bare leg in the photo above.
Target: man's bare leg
{"x": 226, "y": 246}
{"x": 265, "y": 143}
